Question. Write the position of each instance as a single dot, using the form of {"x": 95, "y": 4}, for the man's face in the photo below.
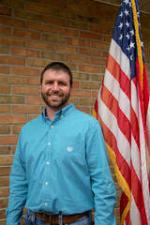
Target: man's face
{"x": 55, "y": 89}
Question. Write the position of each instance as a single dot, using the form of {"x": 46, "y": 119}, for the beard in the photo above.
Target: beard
{"x": 55, "y": 100}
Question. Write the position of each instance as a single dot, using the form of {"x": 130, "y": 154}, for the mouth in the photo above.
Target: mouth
{"x": 55, "y": 95}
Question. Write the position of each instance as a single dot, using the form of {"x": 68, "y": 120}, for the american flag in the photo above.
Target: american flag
{"x": 122, "y": 107}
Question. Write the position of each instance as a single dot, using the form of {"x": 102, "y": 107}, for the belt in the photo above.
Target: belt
{"x": 54, "y": 219}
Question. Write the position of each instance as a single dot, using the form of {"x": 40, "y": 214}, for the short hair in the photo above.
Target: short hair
{"x": 57, "y": 66}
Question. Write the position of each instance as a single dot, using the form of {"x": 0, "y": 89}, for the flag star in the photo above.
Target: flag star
{"x": 126, "y": 12}
{"x": 127, "y": 24}
{"x": 121, "y": 36}
{"x": 128, "y": 36}
{"x": 131, "y": 57}
{"x": 132, "y": 32}
{"x": 132, "y": 44}
{"x": 120, "y": 25}
{"x": 121, "y": 14}
{"x": 126, "y": 1}
{"x": 128, "y": 48}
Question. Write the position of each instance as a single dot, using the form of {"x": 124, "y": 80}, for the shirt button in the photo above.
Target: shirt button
{"x": 46, "y": 204}
{"x": 46, "y": 183}
{"x": 52, "y": 126}
{"x": 47, "y": 162}
{"x": 49, "y": 143}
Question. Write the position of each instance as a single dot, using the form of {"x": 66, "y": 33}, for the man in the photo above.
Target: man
{"x": 60, "y": 170}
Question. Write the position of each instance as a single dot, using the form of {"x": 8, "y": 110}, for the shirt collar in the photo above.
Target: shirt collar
{"x": 62, "y": 112}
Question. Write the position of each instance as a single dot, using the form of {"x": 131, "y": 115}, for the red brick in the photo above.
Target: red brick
{"x": 4, "y": 108}
{"x": 83, "y": 101}
{"x": 75, "y": 84}
{"x": 17, "y": 99}
{"x": 3, "y": 222}
{"x": 94, "y": 93}
{"x": 81, "y": 76}
{"x": 4, "y": 50}
{"x": 8, "y": 140}
{"x": 34, "y": 81}
{"x": 63, "y": 31}
{"x": 25, "y": 52}
{"x": 5, "y": 150}
{"x": 38, "y": 62}
{"x": 89, "y": 85}
{"x": 34, "y": 100}
{"x": 4, "y": 181}
{"x": 90, "y": 51}
{"x": 12, "y": 60}
{"x": 2, "y": 216}
{"x": 38, "y": 7}
{"x": 89, "y": 35}
{"x": 5, "y": 160}
{"x": 26, "y": 34}
{"x": 67, "y": 49}
{"x": 5, "y": 10}
{"x": 5, "y": 170}
{"x": 77, "y": 92}
{"x": 8, "y": 99}
{"x": 11, "y": 119}
{"x": 4, "y": 99}
{"x": 25, "y": 109}
{"x": 39, "y": 45}
{"x": 3, "y": 203}
{"x": 5, "y": 30}
{"x": 86, "y": 109}
{"x": 4, "y": 89}
{"x": 4, "y": 129}
{"x": 28, "y": 90}
{"x": 11, "y": 21}
{"x": 4, "y": 191}
{"x": 4, "y": 69}
{"x": 12, "y": 41}
{"x": 28, "y": 71}
{"x": 67, "y": 31}
{"x": 89, "y": 68}
{"x": 85, "y": 42}
{"x": 24, "y": 80}
{"x": 34, "y": 25}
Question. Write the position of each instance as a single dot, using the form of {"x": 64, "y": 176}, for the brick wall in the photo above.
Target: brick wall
{"x": 35, "y": 32}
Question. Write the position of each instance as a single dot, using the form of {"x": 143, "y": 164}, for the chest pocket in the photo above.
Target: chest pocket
{"x": 70, "y": 149}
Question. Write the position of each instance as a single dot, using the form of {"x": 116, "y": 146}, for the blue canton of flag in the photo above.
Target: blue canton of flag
{"x": 124, "y": 33}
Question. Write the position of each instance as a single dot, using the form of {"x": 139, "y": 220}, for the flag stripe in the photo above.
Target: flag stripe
{"x": 117, "y": 92}
{"x": 114, "y": 68}
{"x": 111, "y": 122}
{"x": 123, "y": 121}
{"x": 135, "y": 214}
{"x": 116, "y": 53}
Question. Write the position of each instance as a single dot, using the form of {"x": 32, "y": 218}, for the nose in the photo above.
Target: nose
{"x": 55, "y": 86}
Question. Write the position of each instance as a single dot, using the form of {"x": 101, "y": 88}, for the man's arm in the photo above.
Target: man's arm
{"x": 18, "y": 188}
{"x": 102, "y": 184}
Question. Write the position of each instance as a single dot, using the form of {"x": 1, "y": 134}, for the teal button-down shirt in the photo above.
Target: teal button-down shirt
{"x": 62, "y": 166}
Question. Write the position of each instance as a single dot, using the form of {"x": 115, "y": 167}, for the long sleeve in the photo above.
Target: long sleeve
{"x": 102, "y": 184}
{"x": 18, "y": 188}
